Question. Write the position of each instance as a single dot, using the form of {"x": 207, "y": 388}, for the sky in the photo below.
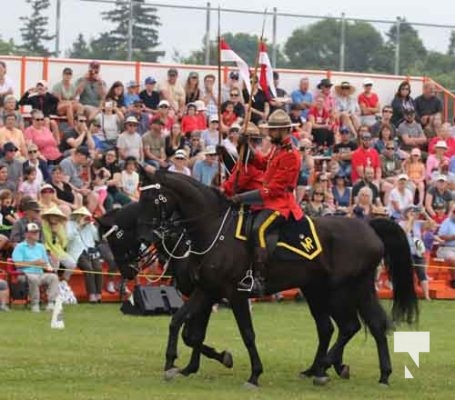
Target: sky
{"x": 183, "y": 30}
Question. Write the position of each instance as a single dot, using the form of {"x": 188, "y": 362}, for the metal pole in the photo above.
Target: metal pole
{"x": 207, "y": 36}
{"x": 57, "y": 28}
{"x": 397, "y": 48}
{"x": 274, "y": 46}
{"x": 130, "y": 32}
{"x": 342, "y": 41}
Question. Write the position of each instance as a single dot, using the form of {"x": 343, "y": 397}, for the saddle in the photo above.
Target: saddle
{"x": 293, "y": 241}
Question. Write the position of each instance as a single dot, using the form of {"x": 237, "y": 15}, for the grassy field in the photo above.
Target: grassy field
{"x": 102, "y": 354}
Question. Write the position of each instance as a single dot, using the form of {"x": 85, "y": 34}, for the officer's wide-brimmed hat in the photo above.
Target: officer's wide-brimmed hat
{"x": 278, "y": 119}
{"x": 251, "y": 130}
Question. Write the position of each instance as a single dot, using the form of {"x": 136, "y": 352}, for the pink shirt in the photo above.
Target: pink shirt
{"x": 45, "y": 140}
{"x": 433, "y": 164}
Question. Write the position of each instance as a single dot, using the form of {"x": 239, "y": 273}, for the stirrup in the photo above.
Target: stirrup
{"x": 247, "y": 282}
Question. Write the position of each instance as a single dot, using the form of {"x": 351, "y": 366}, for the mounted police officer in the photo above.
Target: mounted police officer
{"x": 275, "y": 198}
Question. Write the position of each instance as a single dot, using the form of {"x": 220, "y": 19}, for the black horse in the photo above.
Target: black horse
{"x": 126, "y": 248}
{"x": 129, "y": 252}
{"x": 352, "y": 250}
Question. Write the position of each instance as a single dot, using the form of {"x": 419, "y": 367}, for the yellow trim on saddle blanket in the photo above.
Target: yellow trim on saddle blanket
{"x": 238, "y": 228}
{"x": 311, "y": 246}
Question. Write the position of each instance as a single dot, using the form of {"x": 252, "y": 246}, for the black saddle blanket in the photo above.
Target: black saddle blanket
{"x": 295, "y": 239}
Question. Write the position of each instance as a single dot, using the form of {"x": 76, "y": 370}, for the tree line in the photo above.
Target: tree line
{"x": 314, "y": 46}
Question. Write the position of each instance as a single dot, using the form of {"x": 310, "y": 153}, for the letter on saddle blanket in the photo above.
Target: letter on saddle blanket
{"x": 295, "y": 239}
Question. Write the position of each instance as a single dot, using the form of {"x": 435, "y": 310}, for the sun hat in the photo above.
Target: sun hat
{"x": 54, "y": 212}
{"x": 47, "y": 186}
{"x": 344, "y": 85}
{"x": 441, "y": 144}
{"x": 131, "y": 120}
{"x": 82, "y": 211}
{"x": 278, "y": 119}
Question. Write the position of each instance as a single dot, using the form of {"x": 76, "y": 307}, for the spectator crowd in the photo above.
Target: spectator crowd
{"x": 75, "y": 155}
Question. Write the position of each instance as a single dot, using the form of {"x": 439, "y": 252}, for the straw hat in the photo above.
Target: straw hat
{"x": 252, "y": 130}
{"x": 53, "y": 212}
{"x": 82, "y": 211}
{"x": 344, "y": 85}
{"x": 278, "y": 119}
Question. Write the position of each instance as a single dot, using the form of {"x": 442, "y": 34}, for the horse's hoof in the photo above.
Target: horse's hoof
{"x": 321, "y": 380}
{"x": 308, "y": 373}
{"x": 250, "y": 386}
{"x": 227, "y": 361}
{"x": 345, "y": 372}
{"x": 384, "y": 384}
{"x": 170, "y": 374}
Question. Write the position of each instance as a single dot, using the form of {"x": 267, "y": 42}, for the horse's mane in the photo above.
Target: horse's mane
{"x": 193, "y": 188}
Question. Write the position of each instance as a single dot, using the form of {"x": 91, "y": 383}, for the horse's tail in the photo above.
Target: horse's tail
{"x": 399, "y": 263}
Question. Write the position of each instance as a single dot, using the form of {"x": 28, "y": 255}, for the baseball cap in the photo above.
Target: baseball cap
{"x": 402, "y": 177}
{"x": 43, "y": 83}
{"x": 441, "y": 178}
{"x": 441, "y": 144}
{"x": 210, "y": 150}
{"x": 131, "y": 120}
{"x": 367, "y": 82}
{"x": 180, "y": 154}
{"x": 172, "y": 71}
{"x": 193, "y": 75}
{"x": 214, "y": 118}
{"x": 32, "y": 227}
{"x": 200, "y": 105}
{"x": 9, "y": 146}
{"x": 344, "y": 129}
{"x": 234, "y": 75}
{"x": 163, "y": 103}
{"x": 47, "y": 186}
{"x": 132, "y": 84}
{"x": 150, "y": 80}
{"x": 235, "y": 127}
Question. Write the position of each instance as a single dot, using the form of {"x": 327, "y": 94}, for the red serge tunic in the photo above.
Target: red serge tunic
{"x": 282, "y": 169}
{"x": 249, "y": 178}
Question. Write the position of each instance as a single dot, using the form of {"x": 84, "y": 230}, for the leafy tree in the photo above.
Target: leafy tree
{"x": 7, "y": 47}
{"x": 412, "y": 49}
{"x": 145, "y": 33}
{"x": 451, "y": 49}
{"x": 80, "y": 48}
{"x": 34, "y": 31}
{"x": 244, "y": 44}
{"x": 317, "y": 46}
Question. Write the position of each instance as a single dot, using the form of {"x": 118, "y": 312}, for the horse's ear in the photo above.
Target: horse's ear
{"x": 108, "y": 219}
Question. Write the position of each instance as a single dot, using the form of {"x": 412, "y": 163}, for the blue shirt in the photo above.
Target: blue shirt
{"x": 447, "y": 228}
{"x": 24, "y": 252}
{"x": 129, "y": 99}
{"x": 204, "y": 172}
{"x": 452, "y": 165}
{"x": 298, "y": 96}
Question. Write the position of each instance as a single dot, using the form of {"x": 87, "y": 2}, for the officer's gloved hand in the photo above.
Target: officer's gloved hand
{"x": 236, "y": 199}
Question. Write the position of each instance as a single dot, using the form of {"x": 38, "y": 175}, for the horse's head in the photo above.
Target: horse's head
{"x": 125, "y": 237}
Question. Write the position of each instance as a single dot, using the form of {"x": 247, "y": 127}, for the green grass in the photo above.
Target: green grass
{"x": 102, "y": 354}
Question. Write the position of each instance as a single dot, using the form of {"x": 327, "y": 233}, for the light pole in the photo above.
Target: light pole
{"x": 57, "y": 28}
{"x": 130, "y": 32}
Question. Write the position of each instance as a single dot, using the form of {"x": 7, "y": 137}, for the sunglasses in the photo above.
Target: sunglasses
{"x": 47, "y": 191}
{"x": 366, "y": 139}
{"x": 38, "y": 119}
{"x": 81, "y": 120}
{"x": 387, "y": 111}
{"x": 163, "y": 107}
{"x": 391, "y": 148}
{"x": 195, "y": 140}
{"x": 32, "y": 151}
{"x": 318, "y": 193}
{"x": 234, "y": 94}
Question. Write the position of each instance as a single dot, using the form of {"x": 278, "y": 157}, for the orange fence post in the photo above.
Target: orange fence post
{"x": 225, "y": 73}
{"x": 23, "y": 72}
{"x": 446, "y": 107}
{"x": 46, "y": 68}
{"x": 329, "y": 74}
{"x": 138, "y": 71}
